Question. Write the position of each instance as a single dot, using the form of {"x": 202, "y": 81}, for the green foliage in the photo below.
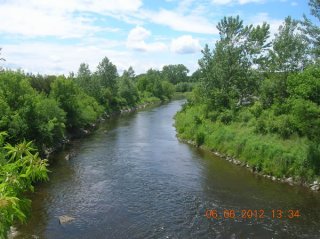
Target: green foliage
{"x": 259, "y": 101}
{"x": 289, "y": 52}
{"x": 24, "y": 113}
{"x": 167, "y": 89}
{"x": 200, "y": 138}
{"x": 226, "y": 117}
{"x": 313, "y": 157}
{"x": 107, "y": 74}
{"x": 306, "y": 118}
{"x": 84, "y": 79}
{"x": 175, "y": 73}
{"x": 184, "y": 87}
{"x": 49, "y": 121}
{"x": 151, "y": 84}
{"x": 306, "y": 85}
{"x": 312, "y": 31}
{"x": 80, "y": 108}
{"x": 127, "y": 90}
{"x": 41, "y": 83}
{"x": 228, "y": 78}
{"x": 20, "y": 167}
{"x": 296, "y": 157}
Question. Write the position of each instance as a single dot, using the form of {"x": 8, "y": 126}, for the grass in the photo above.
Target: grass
{"x": 268, "y": 153}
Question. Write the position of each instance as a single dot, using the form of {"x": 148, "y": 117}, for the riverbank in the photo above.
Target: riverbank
{"x": 82, "y": 132}
{"x": 267, "y": 155}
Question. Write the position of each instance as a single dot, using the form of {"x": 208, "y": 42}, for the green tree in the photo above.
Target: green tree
{"x": 289, "y": 52}
{"x": 306, "y": 85}
{"x": 175, "y": 73}
{"x": 80, "y": 108}
{"x": 41, "y": 83}
{"x": 312, "y": 31}
{"x": 107, "y": 73}
{"x": 168, "y": 89}
{"x": 48, "y": 125}
{"x": 129, "y": 73}
{"x": 84, "y": 77}
{"x": 127, "y": 89}
{"x": 228, "y": 77}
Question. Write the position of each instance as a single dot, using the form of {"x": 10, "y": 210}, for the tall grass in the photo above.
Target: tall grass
{"x": 266, "y": 153}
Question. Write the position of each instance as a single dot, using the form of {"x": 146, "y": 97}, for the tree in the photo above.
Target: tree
{"x": 84, "y": 77}
{"x": 48, "y": 123}
{"x": 312, "y": 31}
{"x": 80, "y": 108}
{"x": 126, "y": 88}
{"x": 107, "y": 73}
{"x": 227, "y": 73}
{"x": 129, "y": 73}
{"x": 306, "y": 85}
{"x": 175, "y": 73}
{"x": 289, "y": 52}
{"x": 205, "y": 64}
{"x": 42, "y": 83}
{"x": 168, "y": 89}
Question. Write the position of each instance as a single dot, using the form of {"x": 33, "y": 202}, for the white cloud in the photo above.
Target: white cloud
{"x": 177, "y": 21}
{"x": 221, "y": 2}
{"x": 57, "y": 18}
{"x": 31, "y": 22}
{"x": 97, "y": 6}
{"x": 136, "y": 41}
{"x": 294, "y": 4}
{"x": 241, "y": 2}
{"x": 54, "y": 58}
{"x": 185, "y": 45}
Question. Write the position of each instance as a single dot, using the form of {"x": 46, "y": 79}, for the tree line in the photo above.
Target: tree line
{"x": 257, "y": 97}
{"x": 43, "y": 108}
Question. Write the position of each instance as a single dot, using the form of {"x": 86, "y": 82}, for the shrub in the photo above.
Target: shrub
{"x": 200, "y": 136}
{"x": 226, "y": 117}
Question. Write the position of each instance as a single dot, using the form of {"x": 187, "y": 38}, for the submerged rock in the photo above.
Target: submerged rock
{"x": 315, "y": 187}
{"x": 289, "y": 180}
{"x": 13, "y": 232}
{"x": 65, "y": 219}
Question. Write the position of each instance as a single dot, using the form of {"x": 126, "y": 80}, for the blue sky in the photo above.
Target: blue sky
{"x": 55, "y": 36}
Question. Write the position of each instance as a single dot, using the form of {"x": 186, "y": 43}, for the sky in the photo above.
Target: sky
{"x": 56, "y": 36}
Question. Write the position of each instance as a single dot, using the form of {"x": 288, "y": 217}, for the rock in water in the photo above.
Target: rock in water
{"x": 65, "y": 219}
{"x": 12, "y": 232}
{"x": 315, "y": 188}
{"x": 67, "y": 157}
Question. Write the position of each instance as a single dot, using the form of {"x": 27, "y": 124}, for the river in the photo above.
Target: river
{"x": 132, "y": 178}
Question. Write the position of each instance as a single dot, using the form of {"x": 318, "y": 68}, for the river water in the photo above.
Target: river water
{"x": 132, "y": 178}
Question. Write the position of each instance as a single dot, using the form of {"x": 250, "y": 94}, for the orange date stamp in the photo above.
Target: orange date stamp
{"x": 252, "y": 214}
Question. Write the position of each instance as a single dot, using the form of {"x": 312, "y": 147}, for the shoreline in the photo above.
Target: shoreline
{"x": 83, "y": 132}
{"x": 314, "y": 186}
